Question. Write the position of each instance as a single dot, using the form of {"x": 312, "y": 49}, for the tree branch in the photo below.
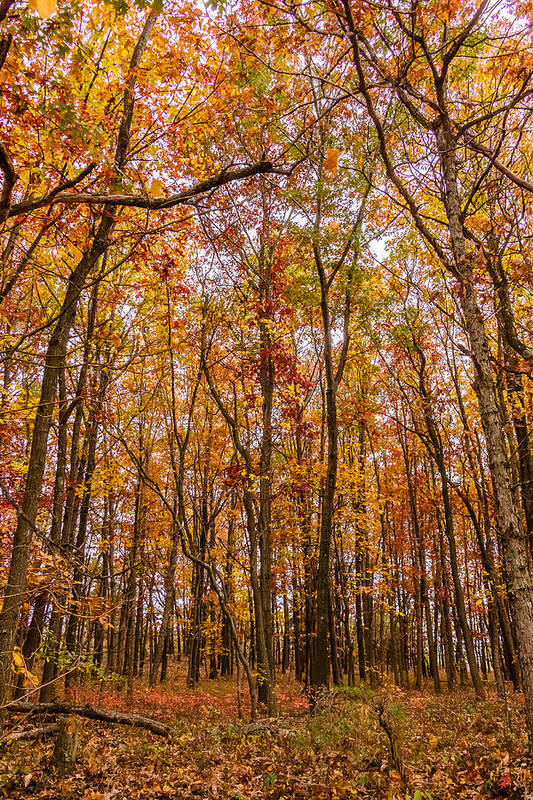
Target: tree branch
{"x": 143, "y": 201}
{"x": 91, "y": 712}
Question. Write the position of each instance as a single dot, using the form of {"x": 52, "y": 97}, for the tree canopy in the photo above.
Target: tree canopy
{"x": 266, "y": 347}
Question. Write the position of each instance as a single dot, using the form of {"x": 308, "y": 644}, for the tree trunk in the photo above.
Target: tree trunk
{"x": 66, "y": 746}
{"x": 55, "y": 355}
{"x": 513, "y": 540}
{"x": 168, "y": 605}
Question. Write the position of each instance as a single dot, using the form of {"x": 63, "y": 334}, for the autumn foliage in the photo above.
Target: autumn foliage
{"x": 265, "y": 400}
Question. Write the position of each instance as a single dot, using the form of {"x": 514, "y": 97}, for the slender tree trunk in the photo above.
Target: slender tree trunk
{"x": 437, "y": 453}
{"x": 168, "y": 605}
{"x": 55, "y": 356}
{"x": 513, "y": 539}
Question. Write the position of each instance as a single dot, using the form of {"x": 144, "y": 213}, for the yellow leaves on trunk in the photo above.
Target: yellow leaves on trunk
{"x": 45, "y": 8}
{"x": 18, "y": 666}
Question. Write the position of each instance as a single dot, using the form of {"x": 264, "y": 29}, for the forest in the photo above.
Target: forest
{"x": 266, "y": 359}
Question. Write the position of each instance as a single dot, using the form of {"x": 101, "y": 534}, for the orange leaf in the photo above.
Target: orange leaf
{"x": 331, "y": 162}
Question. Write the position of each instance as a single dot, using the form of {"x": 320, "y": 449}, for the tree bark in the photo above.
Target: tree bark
{"x": 92, "y": 712}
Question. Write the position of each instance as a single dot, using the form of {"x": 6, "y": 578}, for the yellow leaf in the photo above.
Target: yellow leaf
{"x": 156, "y": 188}
{"x": 30, "y": 679}
{"x": 18, "y": 665}
{"x": 45, "y": 8}
{"x": 72, "y": 725}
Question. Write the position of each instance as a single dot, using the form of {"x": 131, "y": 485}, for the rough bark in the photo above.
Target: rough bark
{"x": 92, "y": 712}
{"x": 66, "y": 746}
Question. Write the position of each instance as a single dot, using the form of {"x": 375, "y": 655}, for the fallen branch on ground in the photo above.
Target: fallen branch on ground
{"x": 30, "y": 733}
{"x": 386, "y": 724}
{"x": 103, "y": 714}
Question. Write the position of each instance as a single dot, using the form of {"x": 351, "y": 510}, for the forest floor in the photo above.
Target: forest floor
{"x": 452, "y": 746}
